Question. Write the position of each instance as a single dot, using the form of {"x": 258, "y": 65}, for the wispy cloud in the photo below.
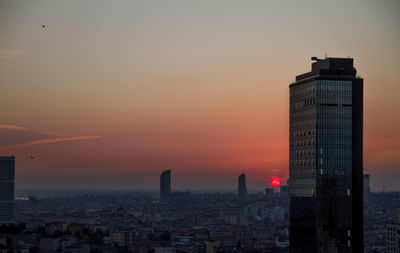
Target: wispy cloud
{"x": 53, "y": 140}
{"x": 57, "y": 134}
{"x": 51, "y": 133}
{"x": 44, "y": 138}
{"x": 13, "y": 127}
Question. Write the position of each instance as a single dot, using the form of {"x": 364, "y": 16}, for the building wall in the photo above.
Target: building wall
{"x": 393, "y": 238}
{"x": 242, "y": 189}
{"x": 7, "y": 205}
{"x": 165, "y": 185}
{"x": 325, "y": 167}
{"x": 334, "y": 165}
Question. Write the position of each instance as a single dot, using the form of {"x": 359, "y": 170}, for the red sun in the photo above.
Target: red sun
{"x": 274, "y": 181}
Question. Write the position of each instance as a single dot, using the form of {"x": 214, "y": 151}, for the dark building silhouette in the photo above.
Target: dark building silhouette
{"x": 269, "y": 192}
{"x": 326, "y": 158}
{"x": 242, "y": 190}
{"x": 165, "y": 185}
{"x": 284, "y": 190}
{"x": 367, "y": 187}
{"x": 7, "y": 205}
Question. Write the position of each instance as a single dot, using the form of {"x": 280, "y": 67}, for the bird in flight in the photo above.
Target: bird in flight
{"x": 43, "y": 26}
{"x": 32, "y": 157}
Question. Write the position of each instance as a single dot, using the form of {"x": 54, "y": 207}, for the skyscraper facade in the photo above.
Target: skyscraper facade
{"x": 242, "y": 189}
{"x": 326, "y": 158}
{"x": 7, "y": 205}
{"x": 165, "y": 185}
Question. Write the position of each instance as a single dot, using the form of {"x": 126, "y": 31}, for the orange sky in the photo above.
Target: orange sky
{"x": 109, "y": 94}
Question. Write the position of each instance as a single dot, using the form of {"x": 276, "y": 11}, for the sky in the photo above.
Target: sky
{"x": 110, "y": 93}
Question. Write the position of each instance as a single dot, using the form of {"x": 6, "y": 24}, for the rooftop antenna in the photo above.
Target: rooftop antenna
{"x": 326, "y": 54}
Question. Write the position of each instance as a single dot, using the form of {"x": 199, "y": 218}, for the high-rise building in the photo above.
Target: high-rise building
{"x": 242, "y": 190}
{"x": 367, "y": 187}
{"x": 326, "y": 158}
{"x": 7, "y": 205}
{"x": 165, "y": 185}
{"x": 393, "y": 238}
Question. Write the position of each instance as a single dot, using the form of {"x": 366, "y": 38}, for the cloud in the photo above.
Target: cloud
{"x": 53, "y": 140}
{"x": 18, "y": 128}
{"x": 13, "y": 127}
{"x": 26, "y": 137}
{"x": 57, "y": 134}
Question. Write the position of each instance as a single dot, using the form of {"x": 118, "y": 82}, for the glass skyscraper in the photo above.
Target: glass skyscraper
{"x": 7, "y": 205}
{"x": 326, "y": 158}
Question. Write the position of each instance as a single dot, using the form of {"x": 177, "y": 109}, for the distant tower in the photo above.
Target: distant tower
{"x": 165, "y": 185}
{"x": 367, "y": 188}
{"x": 7, "y": 205}
{"x": 326, "y": 159}
{"x": 242, "y": 190}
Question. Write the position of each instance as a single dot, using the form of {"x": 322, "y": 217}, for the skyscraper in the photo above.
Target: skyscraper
{"x": 326, "y": 158}
{"x": 7, "y": 205}
{"x": 242, "y": 190}
{"x": 165, "y": 185}
{"x": 367, "y": 187}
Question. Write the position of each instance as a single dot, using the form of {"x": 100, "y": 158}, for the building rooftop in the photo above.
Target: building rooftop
{"x": 330, "y": 66}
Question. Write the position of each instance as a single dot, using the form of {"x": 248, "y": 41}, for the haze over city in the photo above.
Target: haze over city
{"x": 107, "y": 95}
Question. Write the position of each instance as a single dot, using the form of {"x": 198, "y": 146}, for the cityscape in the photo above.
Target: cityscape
{"x": 168, "y": 134}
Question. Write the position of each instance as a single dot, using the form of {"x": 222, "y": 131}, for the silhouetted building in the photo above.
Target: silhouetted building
{"x": 242, "y": 190}
{"x": 326, "y": 158}
{"x": 284, "y": 190}
{"x": 165, "y": 185}
{"x": 269, "y": 192}
{"x": 367, "y": 188}
{"x": 7, "y": 205}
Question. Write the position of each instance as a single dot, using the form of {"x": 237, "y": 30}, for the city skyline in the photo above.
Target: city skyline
{"x": 113, "y": 96}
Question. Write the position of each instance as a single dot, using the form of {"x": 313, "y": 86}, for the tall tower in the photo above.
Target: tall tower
{"x": 242, "y": 189}
{"x": 326, "y": 158}
{"x": 165, "y": 185}
{"x": 7, "y": 205}
{"x": 367, "y": 188}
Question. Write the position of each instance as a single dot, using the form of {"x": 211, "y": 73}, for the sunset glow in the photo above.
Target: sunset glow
{"x": 275, "y": 182}
{"x": 110, "y": 94}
